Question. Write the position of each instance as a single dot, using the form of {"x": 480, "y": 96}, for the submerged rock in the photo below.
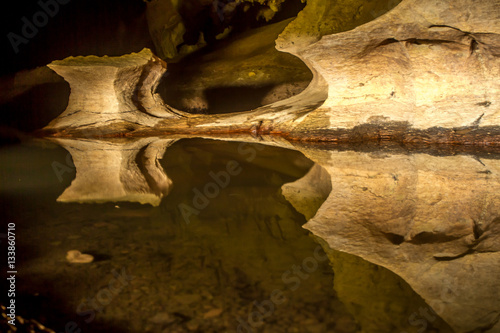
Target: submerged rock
{"x": 76, "y": 257}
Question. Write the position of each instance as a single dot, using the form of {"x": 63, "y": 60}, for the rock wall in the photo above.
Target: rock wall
{"x": 424, "y": 64}
{"x": 422, "y": 72}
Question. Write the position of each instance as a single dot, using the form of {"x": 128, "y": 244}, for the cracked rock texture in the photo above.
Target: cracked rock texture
{"x": 320, "y": 18}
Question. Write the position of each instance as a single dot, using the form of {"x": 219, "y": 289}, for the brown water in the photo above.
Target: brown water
{"x": 234, "y": 258}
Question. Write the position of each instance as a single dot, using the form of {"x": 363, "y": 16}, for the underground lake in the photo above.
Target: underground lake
{"x": 197, "y": 235}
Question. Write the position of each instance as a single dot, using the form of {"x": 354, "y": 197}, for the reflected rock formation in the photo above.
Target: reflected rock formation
{"x": 433, "y": 220}
{"x": 117, "y": 170}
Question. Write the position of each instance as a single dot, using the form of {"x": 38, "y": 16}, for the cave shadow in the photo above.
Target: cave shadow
{"x": 235, "y": 99}
{"x": 36, "y": 298}
{"x": 34, "y": 108}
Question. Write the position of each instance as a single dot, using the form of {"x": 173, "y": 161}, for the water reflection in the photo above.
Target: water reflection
{"x": 218, "y": 244}
{"x": 115, "y": 170}
{"x": 433, "y": 220}
{"x": 153, "y": 271}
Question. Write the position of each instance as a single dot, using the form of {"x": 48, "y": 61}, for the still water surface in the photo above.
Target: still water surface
{"x": 187, "y": 236}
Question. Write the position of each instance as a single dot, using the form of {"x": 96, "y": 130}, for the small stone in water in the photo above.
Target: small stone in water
{"x": 76, "y": 257}
{"x": 212, "y": 313}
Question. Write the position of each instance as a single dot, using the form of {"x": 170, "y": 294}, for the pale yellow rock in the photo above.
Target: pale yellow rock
{"x": 112, "y": 90}
{"x": 76, "y": 257}
{"x": 422, "y": 65}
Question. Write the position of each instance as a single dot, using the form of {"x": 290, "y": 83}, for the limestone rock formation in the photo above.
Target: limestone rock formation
{"x": 423, "y": 72}
{"x": 433, "y": 220}
{"x": 320, "y": 18}
{"x": 179, "y": 28}
{"x": 424, "y": 64}
{"x": 248, "y": 63}
{"x": 110, "y": 90}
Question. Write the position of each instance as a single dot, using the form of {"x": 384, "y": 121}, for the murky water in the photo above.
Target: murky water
{"x": 187, "y": 236}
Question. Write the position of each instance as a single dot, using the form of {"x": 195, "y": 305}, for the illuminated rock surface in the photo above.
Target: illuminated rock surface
{"x": 110, "y": 90}
{"x": 421, "y": 72}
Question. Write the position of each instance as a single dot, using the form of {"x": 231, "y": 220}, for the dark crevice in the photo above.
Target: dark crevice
{"x": 394, "y": 238}
{"x": 136, "y": 94}
{"x": 485, "y": 104}
{"x": 388, "y": 41}
{"x": 450, "y": 258}
{"x": 477, "y": 230}
{"x": 477, "y": 121}
{"x": 418, "y": 41}
{"x": 473, "y": 46}
{"x": 428, "y": 237}
{"x": 447, "y": 26}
